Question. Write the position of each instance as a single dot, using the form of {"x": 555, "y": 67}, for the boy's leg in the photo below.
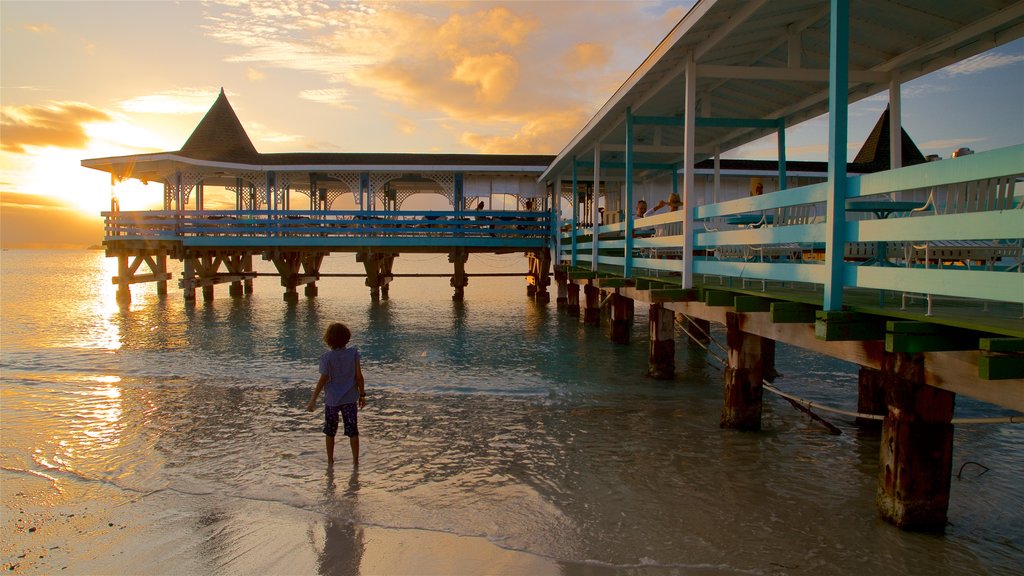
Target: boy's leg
{"x": 354, "y": 441}
{"x": 331, "y": 414}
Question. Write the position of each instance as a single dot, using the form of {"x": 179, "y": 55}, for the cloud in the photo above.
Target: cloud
{"x": 30, "y": 221}
{"x": 39, "y": 28}
{"x": 337, "y": 97}
{"x": 488, "y": 71}
{"x": 983, "y": 62}
{"x": 254, "y": 75}
{"x": 587, "y": 55}
{"x": 60, "y": 124}
{"x": 539, "y": 135}
{"x": 492, "y": 75}
{"x": 181, "y": 101}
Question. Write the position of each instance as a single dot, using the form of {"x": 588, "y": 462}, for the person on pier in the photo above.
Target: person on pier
{"x": 342, "y": 377}
{"x": 673, "y": 203}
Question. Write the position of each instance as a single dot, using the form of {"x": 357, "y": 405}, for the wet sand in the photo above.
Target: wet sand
{"x": 167, "y": 532}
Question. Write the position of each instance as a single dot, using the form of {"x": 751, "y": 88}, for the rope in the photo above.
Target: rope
{"x": 807, "y": 404}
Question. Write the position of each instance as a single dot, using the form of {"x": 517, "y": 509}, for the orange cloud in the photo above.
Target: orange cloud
{"x": 588, "y": 55}
{"x": 483, "y": 31}
{"x": 59, "y": 124}
{"x": 39, "y": 28}
{"x": 538, "y": 135}
{"x": 493, "y": 75}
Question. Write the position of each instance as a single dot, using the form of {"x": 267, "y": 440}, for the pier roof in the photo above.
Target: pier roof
{"x": 220, "y": 141}
{"x": 766, "y": 60}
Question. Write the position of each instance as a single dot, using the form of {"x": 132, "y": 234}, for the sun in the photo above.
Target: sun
{"x": 56, "y": 175}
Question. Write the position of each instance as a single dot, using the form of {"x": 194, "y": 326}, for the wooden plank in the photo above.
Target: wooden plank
{"x": 834, "y": 326}
{"x": 1002, "y": 344}
{"x": 614, "y": 282}
{"x": 911, "y": 343}
{"x": 660, "y": 295}
{"x": 911, "y": 327}
{"x": 752, "y": 304}
{"x": 1001, "y": 367}
{"x": 140, "y": 278}
{"x": 719, "y": 298}
{"x": 792, "y": 313}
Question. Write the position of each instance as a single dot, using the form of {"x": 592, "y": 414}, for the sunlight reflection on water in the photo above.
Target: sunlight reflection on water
{"x": 493, "y": 418}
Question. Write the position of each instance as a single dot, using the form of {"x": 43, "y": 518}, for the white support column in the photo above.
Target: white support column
{"x": 557, "y": 209}
{"x": 689, "y": 138}
{"x": 895, "y": 122}
{"x": 718, "y": 175}
{"x": 839, "y": 101}
{"x": 594, "y": 212}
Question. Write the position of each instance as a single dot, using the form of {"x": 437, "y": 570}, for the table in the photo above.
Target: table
{"x": 881, "y": 208}
{"x": 751, "y": 220}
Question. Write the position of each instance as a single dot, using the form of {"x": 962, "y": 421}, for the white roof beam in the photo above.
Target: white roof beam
{"x": 785, "y": 74}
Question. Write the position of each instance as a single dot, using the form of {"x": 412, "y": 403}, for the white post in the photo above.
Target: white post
{"x": 895, "y": 122}
{"x": 594, "y": 212}
{"x": 689, "y": 133}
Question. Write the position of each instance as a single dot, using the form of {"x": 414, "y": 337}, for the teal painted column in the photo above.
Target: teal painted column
{"x": 364, "y": 189}
{"x": 628, "y": 210}
{"x": 838, "y": 98}
{"x": 457, "y": 193}
{"x": 575, "y": 208}
{"x": 781, "y": 137}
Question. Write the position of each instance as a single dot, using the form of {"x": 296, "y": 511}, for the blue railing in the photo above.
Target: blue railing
{"x": 915, "y": 229}
{"x": 342, "y": 228}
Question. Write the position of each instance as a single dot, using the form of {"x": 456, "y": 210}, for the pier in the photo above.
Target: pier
{"x": 911, "y": 269}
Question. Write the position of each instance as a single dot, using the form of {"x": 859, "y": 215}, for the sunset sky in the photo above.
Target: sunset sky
{"x": 95, "y": 79}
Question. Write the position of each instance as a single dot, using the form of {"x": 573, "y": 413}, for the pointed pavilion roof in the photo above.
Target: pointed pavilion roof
{"x": 220, "y": 136}
{"x": 874, "y": 154}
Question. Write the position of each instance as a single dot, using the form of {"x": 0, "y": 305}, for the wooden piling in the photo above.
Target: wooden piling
{"x": 124, "y": 292}
{"x": 161, "y": 271}
{"x": 870, "y": 396}
{"x": 591, "y": 310}
{"x": 572, "y": 299}
{"x": 750, "y": 357}
{"x": 459, "y": 280}
{"x": 562, "y": 284}
{"x": 247, "y": 268}
{"x": 661, "y": 356}
{"x": 916, "y": 455}
{"x": 188, "y": 279}
{"x": 621, "y": 318}
{"x": 538, "y": 279}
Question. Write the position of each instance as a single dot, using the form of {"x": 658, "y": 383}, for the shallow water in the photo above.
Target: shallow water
{"x": 495, "y": 418}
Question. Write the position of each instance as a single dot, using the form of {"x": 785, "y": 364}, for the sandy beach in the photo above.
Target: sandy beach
{"x": 48, "y": 532}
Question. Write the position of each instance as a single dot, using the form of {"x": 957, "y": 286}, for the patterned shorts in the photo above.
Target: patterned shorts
{"x": 349, "y": 418}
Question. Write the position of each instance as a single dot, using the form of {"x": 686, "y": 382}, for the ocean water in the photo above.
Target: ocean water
{"x": 494, "y": 418}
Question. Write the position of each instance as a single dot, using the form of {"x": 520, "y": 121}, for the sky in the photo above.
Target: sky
{"x": 95, "y": 79}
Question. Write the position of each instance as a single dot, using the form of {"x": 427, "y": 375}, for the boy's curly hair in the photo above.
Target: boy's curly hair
{"x": 337, "y": 335}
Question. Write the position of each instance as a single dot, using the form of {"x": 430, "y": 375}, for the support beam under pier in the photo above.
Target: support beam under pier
{"x": 562, "y": 284}
{"x": 751, "y": 359}
{"x": 916, "y": 454}
{"x": 459, "y": 279}
{"x": 661, "y": 356}
{"x": 378, "y": 266}
{"x": 572, "y": 299}
{"x": 621, "y": 318}
{"x": 539, "y": 278}
{"x": 592, "y": 310}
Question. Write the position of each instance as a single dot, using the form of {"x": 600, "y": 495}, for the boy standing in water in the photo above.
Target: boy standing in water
{"x": 342, "y": 377}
